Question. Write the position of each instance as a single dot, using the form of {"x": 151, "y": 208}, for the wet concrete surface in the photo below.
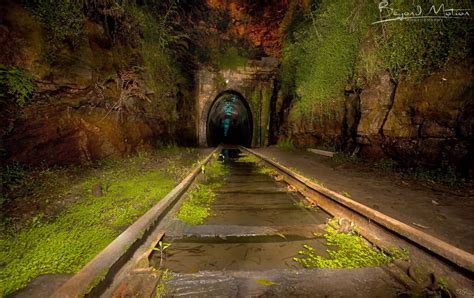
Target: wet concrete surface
{"x": 246, "y": 247}
{"x": 447, "y": 214}
{"x": 361, "y": 282}
{"x": 255, "y": 224}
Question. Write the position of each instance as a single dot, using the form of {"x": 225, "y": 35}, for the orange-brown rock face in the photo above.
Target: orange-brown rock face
{"x": 63, "y": 135}
{"x": 74, "y": 117}
{"x": 256, "y": 21}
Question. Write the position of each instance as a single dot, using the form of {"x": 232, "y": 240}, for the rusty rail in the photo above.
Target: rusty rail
{"x": 102, "y": 266}
{"x": 442, "y": 249}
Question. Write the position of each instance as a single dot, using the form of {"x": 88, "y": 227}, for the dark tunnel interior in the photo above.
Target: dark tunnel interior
{"x": 229, "y": 120}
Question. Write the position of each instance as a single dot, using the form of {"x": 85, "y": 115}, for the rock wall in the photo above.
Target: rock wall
{"x": 427, "y": 123}
{"x": 74, "y": 116}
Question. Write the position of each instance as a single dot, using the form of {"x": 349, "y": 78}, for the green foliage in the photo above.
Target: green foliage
{"x": 12, "y": 174}
{"x": 321, "y": 53}
{"x": 286, "y": 145}
{"x": 344, "y": 158}
{"x": 11, "y": 177}
{"x": 444, "y": 175}
{"x": 162, "y": 246}
{"x": 443, "y": 283}
{"x": 416, "y": 49}
{"x": 161, "y": 289}
{"x": 219, "y": 81}
{"x": 16, "y": 83}
{"x": 215, "y": 170}
{"x": 163, "y": 74}
{"x": 63, "y": 21}
{"x": 350, "y": 251}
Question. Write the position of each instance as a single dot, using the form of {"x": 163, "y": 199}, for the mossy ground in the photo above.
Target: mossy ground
{"x": 347, "y": 251}
{"x": 65, "y": 240}
{"x": 197, "y": 206}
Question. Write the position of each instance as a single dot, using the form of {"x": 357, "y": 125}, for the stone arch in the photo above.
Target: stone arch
{"x": 254, "y": 82}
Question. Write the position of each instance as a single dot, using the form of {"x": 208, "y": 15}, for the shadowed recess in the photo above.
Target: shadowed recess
{"x": 229, "y": 120}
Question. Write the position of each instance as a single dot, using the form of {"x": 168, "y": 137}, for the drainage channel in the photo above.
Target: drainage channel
{"x": 256, "y": 223}
{"x": 251, "y": 237}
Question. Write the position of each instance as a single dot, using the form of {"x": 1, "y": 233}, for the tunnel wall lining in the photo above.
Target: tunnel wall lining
{"x": 254, "y": 82}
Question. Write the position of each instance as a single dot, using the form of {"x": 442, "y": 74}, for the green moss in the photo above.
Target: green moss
{"x": 261, "y": 168}
{"x": 161, "y": 289}
{"x": 320, "y": 55}
{"x": 266, "y": 282}
{"x": 303, "y": 204}
{"x": 231, "y": 59}
{"x": 219, "y": 81}
{"x": 66, "y": 242}
{"x": 248, "y": 158}
{"x": 349, "y": 251}
{"x": 197, "y": 205}
{"x": 286, "y": 144}
{"x": 215, "y": 169}
{"x": 15, "y": 83}
{"x": 416, "y": 49}
{"x": 267, "y": 171}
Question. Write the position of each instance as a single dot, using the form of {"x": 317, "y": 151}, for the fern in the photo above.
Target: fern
{"x": 15, "y": 83}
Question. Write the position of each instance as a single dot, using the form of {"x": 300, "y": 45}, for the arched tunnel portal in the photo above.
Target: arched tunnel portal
{"x": 229, "y": 120}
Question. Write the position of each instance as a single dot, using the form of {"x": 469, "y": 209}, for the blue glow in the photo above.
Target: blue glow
{"x": 226, "y": 125}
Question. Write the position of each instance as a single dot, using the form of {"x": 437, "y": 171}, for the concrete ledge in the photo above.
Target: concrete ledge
{"x": 322, "y": 152}
{"x": 100, "y": 267}
{"x": 440, "y": 248}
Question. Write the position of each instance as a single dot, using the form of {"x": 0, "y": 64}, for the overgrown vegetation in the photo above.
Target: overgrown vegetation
{"x": 162, "y": 40}
{"x": 15, "y": 83}
{"x": 349, "y": 251}
{"x": 161, "y": 289}
{"x": 230, "y": 59}
{"x": 63, "y": 21}
{"x": 197, "y": 206}
{"x": 332, "y": 46}
{"x": 416, "y": 49}
{"x": 73, "y": 225}
{"x": 321, "y": 48}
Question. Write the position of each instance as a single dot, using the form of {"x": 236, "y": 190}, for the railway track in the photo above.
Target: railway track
{"x": 261, "y": 216}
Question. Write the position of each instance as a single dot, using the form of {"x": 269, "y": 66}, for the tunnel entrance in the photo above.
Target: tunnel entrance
{"x": 229, "y": 120}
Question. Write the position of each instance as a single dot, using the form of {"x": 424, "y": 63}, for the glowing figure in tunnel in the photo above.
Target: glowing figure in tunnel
{"x": 229, "y": 120}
